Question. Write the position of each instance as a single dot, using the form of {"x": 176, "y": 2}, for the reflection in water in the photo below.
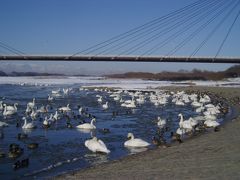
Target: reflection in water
{"x": 96, "y": 158}
{"x": 134, "y": 150}
{"x": 61, "y": 148}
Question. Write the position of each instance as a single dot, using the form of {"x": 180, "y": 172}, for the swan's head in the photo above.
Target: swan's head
{"x": 130, "y": 136}
{"x": 16, "y": 104}
{"x": 94, "y": 119}
{"x": 180, "y": 115}
{"x": 24, "y": 118}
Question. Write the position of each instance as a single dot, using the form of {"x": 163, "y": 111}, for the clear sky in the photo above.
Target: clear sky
{"x": 66, "y": 26}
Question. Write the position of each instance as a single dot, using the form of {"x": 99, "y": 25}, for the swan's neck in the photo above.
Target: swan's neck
{"x": 132, "y": 137}
{"x": 181, "y": 118}
{"x": 25, "y": 122}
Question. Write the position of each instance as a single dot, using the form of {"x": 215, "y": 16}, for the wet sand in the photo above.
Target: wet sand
{"x": 214, "y": 155}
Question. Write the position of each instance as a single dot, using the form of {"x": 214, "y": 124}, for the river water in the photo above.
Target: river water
{"x": 61, "y": 149}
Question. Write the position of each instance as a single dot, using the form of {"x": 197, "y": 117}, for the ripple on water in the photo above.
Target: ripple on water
{"x": 62, "y": 149}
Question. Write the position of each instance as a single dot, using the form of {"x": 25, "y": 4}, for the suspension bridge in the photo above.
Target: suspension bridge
{"x": 198, "y": 22}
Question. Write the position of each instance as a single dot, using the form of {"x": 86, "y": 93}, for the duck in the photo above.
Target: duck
{"x": 27, "y": 125}
{"x": 32, "y": 145}
{"x": 65, "y": 109}
{"x": 22, "y": 136}
{"x": 105, "y": 106}
{"x": 31, "y": 104}
{"x": 87, "y": 125}
{"x": 96, "y": 145}
{"x": 161, "y": 122}
{"x": 135, "y": 142}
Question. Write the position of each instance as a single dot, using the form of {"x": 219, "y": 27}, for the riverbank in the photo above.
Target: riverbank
{"x": 210, "y": 156}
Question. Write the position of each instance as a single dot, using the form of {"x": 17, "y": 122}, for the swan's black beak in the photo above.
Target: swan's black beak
{"x": 128, "y": 138}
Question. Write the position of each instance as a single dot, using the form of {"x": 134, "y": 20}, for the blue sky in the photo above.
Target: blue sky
{"x": 66, "y": 26}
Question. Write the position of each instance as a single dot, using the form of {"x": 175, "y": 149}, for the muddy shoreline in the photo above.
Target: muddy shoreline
{"x": 213, "y": 155}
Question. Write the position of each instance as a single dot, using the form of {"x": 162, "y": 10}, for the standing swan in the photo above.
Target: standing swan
{"x": 96, "y": 145}
{"x": 87, "y": 125}
{"x": 135, "y": 142}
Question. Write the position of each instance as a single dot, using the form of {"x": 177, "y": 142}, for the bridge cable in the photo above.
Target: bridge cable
{"x": 212, "y": 32}
{"x": 224, "y": 40}
{"x": 137, "y": 28}
{"x": 153, "y": 29}
{"x": 190, "y": 37}
{"x": 153, "y": 38}
{"x": 11, "y": 49}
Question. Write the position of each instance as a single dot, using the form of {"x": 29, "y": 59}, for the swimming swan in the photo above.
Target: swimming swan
{"x": 27, "y": 125}
{"x": 96, "y": 145}
{"x": 135, "y": 142}
{"x": 64, "y": 109}
{"x": 87, "y": 125}
{"x": 31, "y": 104}
{"x": 161, "y": 122}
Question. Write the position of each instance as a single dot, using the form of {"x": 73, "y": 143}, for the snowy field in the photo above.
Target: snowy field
{"x": 117, "y": 83}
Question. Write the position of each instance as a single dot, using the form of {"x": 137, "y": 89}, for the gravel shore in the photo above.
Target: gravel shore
{"x": 214, "y": 155}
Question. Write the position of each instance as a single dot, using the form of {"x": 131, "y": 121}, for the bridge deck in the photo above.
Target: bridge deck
{"x": 120, "y": 58}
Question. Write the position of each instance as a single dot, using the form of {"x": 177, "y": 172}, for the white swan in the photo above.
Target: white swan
{"x": 100, "y": 99}
{"x": 161, "y": 122}
{"x": 34, "y": 114}
{"x": 211, "y": 123}
{"x": 180, "y": 131}
{"x": 1, "y": 105}
{"x": 96, "y": 145}
{"x": 87, "y": 125}
{"x": 31, "y": 104}
{"x": 135, "y": 142}
{"x": 50, "y": 98}
{"x": 185, "y": 124}
{"x": 6, "y": 112}
{"x": 131, "y": 105}
{"x": 12, "y": 108}
{"x": 56, "y": 91}
{"x": 64, "y": 109}
{"x": 56, "y": 116}
{"x": 27, "y": 125}
{"x": 28, "y": 110}
{"x": 46, "y": 122}
{"x": 105, "y": 106}
{"x": 3, "y": 124}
